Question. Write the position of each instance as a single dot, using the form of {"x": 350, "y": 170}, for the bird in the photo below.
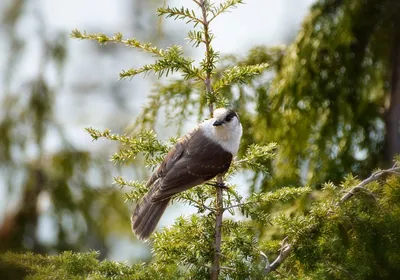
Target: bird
{"x": 199, "y": 156}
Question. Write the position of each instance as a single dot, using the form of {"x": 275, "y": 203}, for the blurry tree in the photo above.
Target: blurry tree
{"x": 84, "y": 208}
{"x": 330, "y": 102}
{"x": 334, "y": 104}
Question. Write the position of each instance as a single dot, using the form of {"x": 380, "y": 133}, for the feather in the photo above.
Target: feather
{"x": 195, "y": 159}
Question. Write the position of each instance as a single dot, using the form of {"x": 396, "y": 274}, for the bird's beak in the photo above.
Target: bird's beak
{"x": 218, "y": 123}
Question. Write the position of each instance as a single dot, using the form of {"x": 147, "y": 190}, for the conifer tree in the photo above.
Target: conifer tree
{"x": 344, "y": 230}
{"x": 39, "y": 162}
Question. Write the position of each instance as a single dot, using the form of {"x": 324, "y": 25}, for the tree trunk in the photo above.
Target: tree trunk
{"x": 392, "y": 122}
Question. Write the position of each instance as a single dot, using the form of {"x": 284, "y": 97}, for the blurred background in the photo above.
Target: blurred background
{"x": 56, "y": 189}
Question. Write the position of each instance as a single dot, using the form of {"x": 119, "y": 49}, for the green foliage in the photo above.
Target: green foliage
{"x": 321, "y": 110}
{"x": 118, "y": 38}
{"x": 223, "y": 7}
{"x": 257, "y": 157}
{"x": 76, "y": 266}
{"x": 238, "y": 74}
{"x": 172, "y": 61}
{"x": 330, "y": 241}
{"x": 145, "y": 142}
{"x": 256, "y": 206}
{"x": 182, "y": 13}
{"x": 354, "y": 240}
{"x": 326, "y": 104}
{"x": 185, "y": 249}
{"x": 44, "y": 176}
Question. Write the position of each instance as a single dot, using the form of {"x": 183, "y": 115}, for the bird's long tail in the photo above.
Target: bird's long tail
{"x": 147, "y": 214}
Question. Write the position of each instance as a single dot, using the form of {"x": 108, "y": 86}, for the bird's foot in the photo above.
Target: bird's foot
{"x": 221, "y": 185}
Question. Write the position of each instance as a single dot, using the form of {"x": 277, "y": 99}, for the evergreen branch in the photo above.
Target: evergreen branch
{"x": 144, "y": 139}
{"x": 145, "y": 142}
{"x": 197, "y": 197}
{"x": 223, "y": 7}
{"x": 139, "y": 188}
{"x": 262, "y": 199}
{"x": 257, "y": 206}
{"x": 118, "y": 38}
{"x": 257, "y": 156}
{"x": 172, "y": 61}
{"x": 282, "y": 194}
{"x": 283, "y": 255}
{"x": 239, "y": 74}
{"x": 287, "y": 247}
{"x": 196, "y": 37}
{"x": 216, "y": 266}
{"x": 208, "y": 64}
{"x": 197, "y": 2}
{"x": 199, "y": 204}
{"x": 181, "y": 13}
{"x": 361, "y": 186}
{"x": 133, "y": 184}
{"x": 236, "y": 206}
{"x": 97, "y": 134}
{"x": 69, "y": 265}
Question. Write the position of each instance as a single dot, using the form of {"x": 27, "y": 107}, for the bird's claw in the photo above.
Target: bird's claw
{"x": 219, "y": 185}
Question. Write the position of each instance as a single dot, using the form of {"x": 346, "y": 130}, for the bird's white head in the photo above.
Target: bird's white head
{"x": 224, "y": 128}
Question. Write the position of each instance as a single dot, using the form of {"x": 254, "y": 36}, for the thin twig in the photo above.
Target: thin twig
{"x": 267, "y": 263}
{"x": 283, "y": 254}
{"x": 197, "y": 2}
{"x": 216, "y": 266}
{"x": 374, "y": 177}
{"x": 218, "y": 228}
{"x": 236, "y": 205}
{"x": 394, "y": 172}
{"x": 200, "y": 205}
{"x": 207, "y": 81}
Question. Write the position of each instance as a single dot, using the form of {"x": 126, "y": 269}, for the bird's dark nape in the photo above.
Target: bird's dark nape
{"x": 147, "y": 214}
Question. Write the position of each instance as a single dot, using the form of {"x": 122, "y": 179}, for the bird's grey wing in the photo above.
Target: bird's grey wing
{"x": 169, "y": 161}
{"x": 200, "y": 162}
{"x": 211, "y": 159}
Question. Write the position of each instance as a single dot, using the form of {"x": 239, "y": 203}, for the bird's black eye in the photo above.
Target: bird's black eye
{"x": 229, "y": 117}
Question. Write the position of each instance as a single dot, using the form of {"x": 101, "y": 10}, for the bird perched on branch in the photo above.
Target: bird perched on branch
{"x": 199, "y": 156}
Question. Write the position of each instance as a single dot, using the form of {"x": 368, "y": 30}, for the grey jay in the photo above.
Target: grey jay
{"x": 197, "y": 157}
